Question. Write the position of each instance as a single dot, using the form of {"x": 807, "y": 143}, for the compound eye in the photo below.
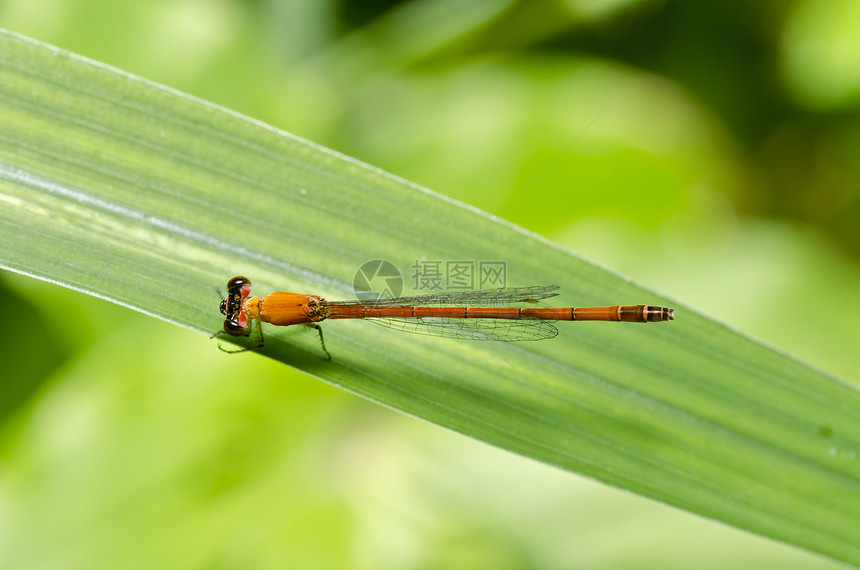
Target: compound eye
{"x": 238, "y": 281}
{"x": 233, "y": 328}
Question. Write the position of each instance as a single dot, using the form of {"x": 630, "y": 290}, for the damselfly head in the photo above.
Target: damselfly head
{"x": 234, "y": 328}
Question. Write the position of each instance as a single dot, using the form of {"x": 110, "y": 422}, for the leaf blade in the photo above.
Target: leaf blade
{"x": 152, "y": 199}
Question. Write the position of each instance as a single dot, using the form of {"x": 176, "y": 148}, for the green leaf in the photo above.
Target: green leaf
{"x": 151, "y": 199}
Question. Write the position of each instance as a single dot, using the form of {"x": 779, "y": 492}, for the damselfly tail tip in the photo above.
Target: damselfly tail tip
{"x": 654, "y": 313}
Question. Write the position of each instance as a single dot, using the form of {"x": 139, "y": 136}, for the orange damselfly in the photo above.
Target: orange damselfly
{"x": 473, "y": 315}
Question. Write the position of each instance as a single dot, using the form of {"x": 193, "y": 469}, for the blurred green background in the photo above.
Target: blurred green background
{"x": 707, "y": 150}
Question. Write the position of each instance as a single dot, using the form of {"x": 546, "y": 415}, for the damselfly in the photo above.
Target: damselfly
{"x": 472, "y": 315}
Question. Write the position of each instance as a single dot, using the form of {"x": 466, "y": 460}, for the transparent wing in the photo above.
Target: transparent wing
{"x": 488, "y": 298}
{"x": 506, "y": 330}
